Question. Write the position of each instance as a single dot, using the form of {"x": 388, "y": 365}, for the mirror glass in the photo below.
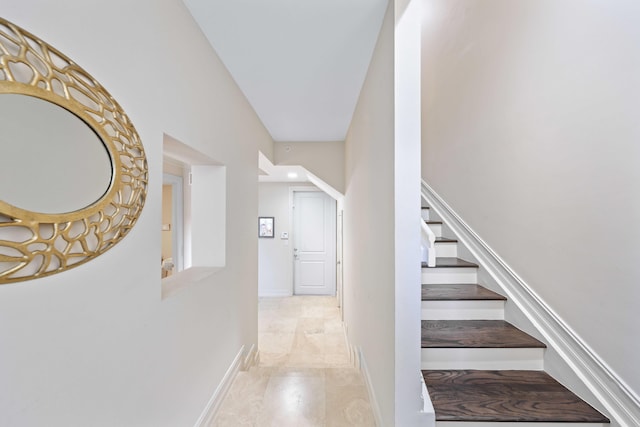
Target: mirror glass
{"x": 51, "y": 161}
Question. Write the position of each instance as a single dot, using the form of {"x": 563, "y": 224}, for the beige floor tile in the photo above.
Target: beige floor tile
{"x": 311, "y": 325}
{"x": 333, "y": 325}
{"x": 348, "y": 406}
{"x": 284, "y": 325}
{"x": 291, "y": 304}
{"x": 313, "y": 311}
{"x": 341, "y": 377}
{"x": 338, "y": 360}
{"x": 306, "y": 359}
{"x": 275, "y": 342}
{"x": 290, "y": 399}
{"x": 250, "y": 383}
{"x": 305, "y": 377}
{"x": 273, "y": 359}
{"x": 289, "y": 371}
{"x": 308, "y": 343}
{"x": 235, "y": 418}
{"x": 335, "y": 343}
{"x": 243, "y": 402}
{"x": 331, "y": 313}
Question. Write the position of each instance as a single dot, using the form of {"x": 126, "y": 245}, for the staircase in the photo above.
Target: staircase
{"x": 480, "y": 370}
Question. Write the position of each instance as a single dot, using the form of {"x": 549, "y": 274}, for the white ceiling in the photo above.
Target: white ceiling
{"x": 300, "y": 63}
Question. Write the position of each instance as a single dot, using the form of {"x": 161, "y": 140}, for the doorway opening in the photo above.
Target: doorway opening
{"x": 172, "y": 260}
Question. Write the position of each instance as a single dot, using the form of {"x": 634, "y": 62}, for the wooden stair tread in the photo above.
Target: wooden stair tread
{"x": 459, "y": 293}
{"x": 475, "y": 334}
{"x": 433, "y": 222}
{"x": 445, "y": 240}
{"x": 450, "y": 262}
{"x": 505, "y": 396}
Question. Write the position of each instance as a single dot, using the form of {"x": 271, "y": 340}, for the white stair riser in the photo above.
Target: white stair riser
{"x": 449, "y": 276}
{"x": 436, "y": 228}
{"x": 425, "y": 214}
{"x": 514, "y": 424}
{"x": 483, "y": 358}
{"x": 463, "y": 310}
{"x": 449, "y": 250}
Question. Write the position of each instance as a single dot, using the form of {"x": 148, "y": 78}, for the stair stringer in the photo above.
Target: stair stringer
{"x": 568, "y": 357}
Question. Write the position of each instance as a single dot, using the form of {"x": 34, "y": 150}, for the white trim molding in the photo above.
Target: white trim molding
{"x": 621, "y": 403}
{"x": 251, "y": 358}
{"x": 220, "y": 392}
{"x": 357, "y": 360}
{"x": 362, "y": 364}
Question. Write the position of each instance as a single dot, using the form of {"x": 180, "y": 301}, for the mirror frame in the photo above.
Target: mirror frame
{"x": 61, "y": 241}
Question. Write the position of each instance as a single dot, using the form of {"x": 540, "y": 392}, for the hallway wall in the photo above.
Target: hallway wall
{"x": 275, "y": 257}
{"x": 530, "y": 133}
{"x": 96, "y": 345}
{"x": 323, "y": 159}
{"x": 369, "y": 235}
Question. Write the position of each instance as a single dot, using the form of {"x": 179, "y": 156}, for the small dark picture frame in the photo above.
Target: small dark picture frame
{"x": 266, "y": 226}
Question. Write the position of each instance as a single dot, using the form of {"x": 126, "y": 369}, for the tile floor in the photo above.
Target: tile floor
{"x": 304, "y": 377}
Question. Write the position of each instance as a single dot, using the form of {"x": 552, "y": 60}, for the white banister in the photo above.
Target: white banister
{"x": 429, "y": 244}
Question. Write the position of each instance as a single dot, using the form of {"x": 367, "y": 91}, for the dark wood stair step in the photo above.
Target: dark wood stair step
{"x": 459, "y": 293}
{"x": 475, "y": 334}
{"x": 450, "y": 262}
{"x": 505, "y": 396}
{"x": 445, "y": 240}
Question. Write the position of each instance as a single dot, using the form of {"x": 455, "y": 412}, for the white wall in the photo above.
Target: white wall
{"x": 369, "y": 237}
{"x": 275, "y": 262}
{"x": 275, "y": 256}
{"x": 382, "y": 220}
{"x": 96, "y": 345}
{"x": 323, "y": 159}
{"x": 530, "y": 133}
{"x": 411, "y": 410}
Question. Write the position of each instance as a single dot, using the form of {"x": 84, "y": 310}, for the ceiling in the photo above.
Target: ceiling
{"x": 300, "y": 63}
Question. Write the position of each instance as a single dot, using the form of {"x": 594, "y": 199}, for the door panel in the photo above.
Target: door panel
{"x": 311, "y": 274}
{"x": 314, "y": 229}
{"x": 312, "y": 224}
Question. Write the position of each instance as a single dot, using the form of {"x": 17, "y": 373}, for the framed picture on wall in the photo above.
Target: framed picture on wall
{"x": 265, "y": 226}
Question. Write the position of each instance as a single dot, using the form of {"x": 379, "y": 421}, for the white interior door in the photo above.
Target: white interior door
{"x": 314, "y": 243}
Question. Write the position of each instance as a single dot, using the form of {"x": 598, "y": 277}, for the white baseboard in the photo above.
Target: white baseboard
{"x": 621, "y": 403}
{"x": 358, "y": 362}
{"x": 219, "y": 394}
{"x": 362, "y": 363}
{"x": 252, "y": 358}
{"x": 274, "y": 293}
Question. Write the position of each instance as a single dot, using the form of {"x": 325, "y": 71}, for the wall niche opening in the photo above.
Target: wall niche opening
{"x": 193, "y": 215}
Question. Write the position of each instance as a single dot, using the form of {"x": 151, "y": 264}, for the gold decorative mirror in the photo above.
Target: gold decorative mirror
{"x": 73, "y": 173}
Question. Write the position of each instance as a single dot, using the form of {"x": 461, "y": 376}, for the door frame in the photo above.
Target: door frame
{"x": 302, "y": 188}
{"x": 177, "y": 209}
{"x": 340, "y": 258}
